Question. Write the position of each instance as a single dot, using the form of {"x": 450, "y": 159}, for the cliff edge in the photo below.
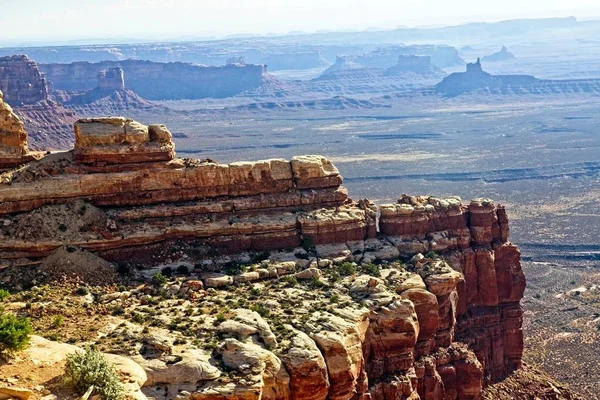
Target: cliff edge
{"x": 333, "y": 298}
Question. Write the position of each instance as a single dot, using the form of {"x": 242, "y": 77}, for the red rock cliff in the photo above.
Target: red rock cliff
{"x": 438, "y": 326}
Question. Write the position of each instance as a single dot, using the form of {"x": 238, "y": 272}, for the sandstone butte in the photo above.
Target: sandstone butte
{"x": 442, "y": 329}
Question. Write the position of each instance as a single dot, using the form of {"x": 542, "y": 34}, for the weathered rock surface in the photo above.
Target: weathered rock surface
{"x": 439, "y": 327}
{"x": 119, "y": 140}
{"x": 21, "y": 81}
{"x": 13, "y": 138}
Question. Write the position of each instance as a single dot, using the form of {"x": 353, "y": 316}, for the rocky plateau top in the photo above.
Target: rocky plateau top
{"x": 335, "y": 298}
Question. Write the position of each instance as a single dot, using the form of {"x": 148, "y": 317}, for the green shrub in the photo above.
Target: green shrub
{"x": 14, "y": 333}
{"x": 261, "y": 309}
{"x": 159, "y": 279}
{"x": 84, "y": 369}
{"x": 371, "y": 269}
{"x": 82, "y": 291}
{"x": 290, "y": 280}
{"x": 347, "y": 269}
{"x": 4, "y": 294}
{"x": 58, "y": 321}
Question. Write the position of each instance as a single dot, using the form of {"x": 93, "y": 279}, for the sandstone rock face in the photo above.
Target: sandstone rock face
{"x": 21, "y": 81}
{"x": 118, "y": 140}
{"x": 111, "y": 79}
{"x": 26, "y": 89}
{"x": 13, "y": 138}
{"x": 439, "y": 326}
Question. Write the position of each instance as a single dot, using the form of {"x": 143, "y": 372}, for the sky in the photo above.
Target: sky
{"x": 45, "y": 21}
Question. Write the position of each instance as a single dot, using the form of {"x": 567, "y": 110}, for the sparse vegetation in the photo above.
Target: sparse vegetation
{"x": 158, "y": 279}
{"x": 4, "y": 294}
{"x": 14, "y": 333}
{"x": 84, "y": 369}
{"x": 82, "y": 291}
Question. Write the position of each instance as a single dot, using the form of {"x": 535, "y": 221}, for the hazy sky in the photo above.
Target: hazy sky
{"x": 47, "y": 20}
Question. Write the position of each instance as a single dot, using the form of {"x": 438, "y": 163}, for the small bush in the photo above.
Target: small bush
{"x": 88, "y": 368}
{"x": 183, "y": 270}
{"x": 290, "y": 280}
{"x": 315, "y": 283}
{"x": 431, "y": 254}
{"x": 347, "y": 269}
{"x": 260, "y": 256}
{"x": 371, "y": 269}
{"x": 261, "y": 309}
{"x": 167, "y": 271}
{"x": 14, "y": 333}
{"x": 58, "y": 321}
{"x": 308, "y": 244}
{"x": 4, "y": 294}
{"x": 302, "y": 256}
{"x": 159, "y": 279}
{"x": 82, "y": 291}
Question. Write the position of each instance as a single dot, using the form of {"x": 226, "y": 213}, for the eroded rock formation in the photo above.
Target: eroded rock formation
{"x": 111, "y": 79}
{"x": 162, "y": 81}
{"x": 13, "y": 138}
{"x": 21, "y": 81}
{"x": 476, "y": 81}
{"x": 26, "y": 89}
{"x": 501, "y": 55}
{"x": 420, "y": 65}
{"x": 435, "y": 326}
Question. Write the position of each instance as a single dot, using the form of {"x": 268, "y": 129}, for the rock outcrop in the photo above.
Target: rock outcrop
{"x": 501, "y": 55}
{"x": 13, "y": 138}
{"x": 161, "y": 81}
{"x": 436, "y": 326}
{"x": 119, "y": 140}
{"x": 476, "y": 81}
{"x": 26, "y": 89}
{"x": 420, "y": 65}
{"x": 111, "y": 79}
{"x": 21, "y": 81}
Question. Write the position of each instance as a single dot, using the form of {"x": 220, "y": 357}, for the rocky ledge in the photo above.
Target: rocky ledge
{"x": 316, "y": 296}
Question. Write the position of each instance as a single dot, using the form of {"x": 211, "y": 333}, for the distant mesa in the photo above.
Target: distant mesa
{"x": 412, "y": 67}
{"x": 236, "y": 61}
{"x": 165, "y": 81}
{"x": 476, "y": 79}
{"x": 21, "y": 81}
{"x": 386, "y": 57}
{"x": 111, "y": 79}
{"x": 501, "y": 55}
{"x": 420, "y": 65}
{"x": 28, "y": 91}
{"x": 295, "y": 60}
{"x": 110, "y": 94}
{"x": 342, "y": 63}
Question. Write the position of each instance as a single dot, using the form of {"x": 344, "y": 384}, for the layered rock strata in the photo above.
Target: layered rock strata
{"x": 119, "y": 140}
{"x": 13, "y": 138}
{"x": 438, "y": 326}
{"x": 26, "y": 89}
{"x": 21, "y": 81}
